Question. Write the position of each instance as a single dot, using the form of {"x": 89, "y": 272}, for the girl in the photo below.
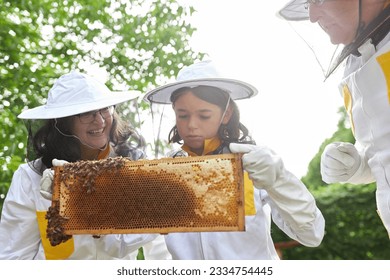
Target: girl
{"x": 208, "y": 122}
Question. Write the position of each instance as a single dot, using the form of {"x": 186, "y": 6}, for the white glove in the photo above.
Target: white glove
{"x": 261, "y": 163}
{"x": 339, "y": 162}
{"x": 290, "y": 199}
{"x": 46, "y": 183}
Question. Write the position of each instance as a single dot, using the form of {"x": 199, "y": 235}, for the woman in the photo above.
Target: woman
{"x": 363, "y": 27}
{"x": 79, "y": 122}
{"x": 208, "y": 122}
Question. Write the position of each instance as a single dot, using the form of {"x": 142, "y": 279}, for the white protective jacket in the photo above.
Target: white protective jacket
{"x": 366, "y": 92}
{"x": 256, "y": 241}
{"x": 23, "y": 230}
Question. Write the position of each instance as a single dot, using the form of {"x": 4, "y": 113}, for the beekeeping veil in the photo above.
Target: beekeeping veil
{"x": 296, "y": 12}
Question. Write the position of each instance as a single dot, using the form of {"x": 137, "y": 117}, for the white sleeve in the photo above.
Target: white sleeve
{"x": 294, "y": 210}
{"x": 19, "y": 233}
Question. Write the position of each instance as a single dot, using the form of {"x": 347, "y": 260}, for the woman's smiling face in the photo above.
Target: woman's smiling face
{"x": 94, "y": 134}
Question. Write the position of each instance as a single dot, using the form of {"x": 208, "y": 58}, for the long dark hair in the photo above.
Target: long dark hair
{"x": 233, "y": 132}
{"x": 50, "y": 142}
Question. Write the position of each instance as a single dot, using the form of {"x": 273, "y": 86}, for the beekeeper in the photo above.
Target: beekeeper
{"x": 207, "y": 122}
{"x": 362, "y": 26}
{"x": 78, "y": 122}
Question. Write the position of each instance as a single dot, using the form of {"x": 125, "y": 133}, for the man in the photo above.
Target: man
{"x": 362, "y": 26}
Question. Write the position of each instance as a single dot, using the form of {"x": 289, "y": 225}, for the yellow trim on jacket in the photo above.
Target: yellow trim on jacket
{"x": 59, "y": 252}
{"x": 384, "y": 63}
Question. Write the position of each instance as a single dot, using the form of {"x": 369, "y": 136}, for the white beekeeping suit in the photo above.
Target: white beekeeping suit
{"x": 365, "y": 88}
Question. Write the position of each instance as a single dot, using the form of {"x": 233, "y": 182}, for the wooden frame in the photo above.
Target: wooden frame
{"x": 116, "y": 195}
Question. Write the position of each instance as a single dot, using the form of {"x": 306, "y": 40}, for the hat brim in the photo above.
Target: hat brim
{"x": 55, "y": 112}
{"x": 237, "y": 89}
{"x": 295, "y": 11}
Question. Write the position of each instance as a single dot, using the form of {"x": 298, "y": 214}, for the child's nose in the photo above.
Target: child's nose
{"x": 192, "y": 123}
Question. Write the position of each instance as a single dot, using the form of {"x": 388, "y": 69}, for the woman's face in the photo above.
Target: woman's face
{"x": 340, "y": 18}
{"x": 196, "y": 120}
{"x": 93, "y": 128}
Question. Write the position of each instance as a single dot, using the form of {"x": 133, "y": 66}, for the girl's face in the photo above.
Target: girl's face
{"x": 197, "y": 120}
{"x": 93, "y": 128}
{"x": 340, "y": 18}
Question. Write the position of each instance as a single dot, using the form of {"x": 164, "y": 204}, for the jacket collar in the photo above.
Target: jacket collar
{"x": 210, "y": 145}
{"x": 104, "y": 153}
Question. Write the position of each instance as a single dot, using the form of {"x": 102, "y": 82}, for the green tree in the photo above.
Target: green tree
{"x": 140, "y": 44}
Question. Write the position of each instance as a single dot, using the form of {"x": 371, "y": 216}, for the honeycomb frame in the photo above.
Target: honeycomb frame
{"x": 120, "y": 196}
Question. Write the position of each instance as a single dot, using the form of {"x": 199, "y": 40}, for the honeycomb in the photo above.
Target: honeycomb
{"x": 117, "y": 195}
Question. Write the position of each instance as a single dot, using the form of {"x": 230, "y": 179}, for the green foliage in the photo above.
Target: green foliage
{"x": 140, "y": 44}
{"x": 353, "y": 229}
{"x": 140, "y": 255}
{"x": 8, "y": 166}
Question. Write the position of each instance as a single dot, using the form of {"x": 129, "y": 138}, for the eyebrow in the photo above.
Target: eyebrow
{"x": 198, "y": 111}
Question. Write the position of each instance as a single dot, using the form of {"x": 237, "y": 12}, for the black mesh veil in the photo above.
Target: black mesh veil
{"x": 31, "y": 155}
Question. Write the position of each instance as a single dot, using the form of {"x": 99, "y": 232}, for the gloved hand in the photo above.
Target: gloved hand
{"x": 46, "y": 183}
{"x": 261, "y": 163}
{"x": 339, "y": 162}
{"x": 292, "y": 205}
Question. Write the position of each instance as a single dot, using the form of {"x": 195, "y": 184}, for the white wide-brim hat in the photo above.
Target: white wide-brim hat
{"x": 201, "y": 74}
{"x": 76, "y": 93}
{"x": 295, "y": 10}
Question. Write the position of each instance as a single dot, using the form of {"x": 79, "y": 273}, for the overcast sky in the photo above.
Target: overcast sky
{"x": 295, "y": 110}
